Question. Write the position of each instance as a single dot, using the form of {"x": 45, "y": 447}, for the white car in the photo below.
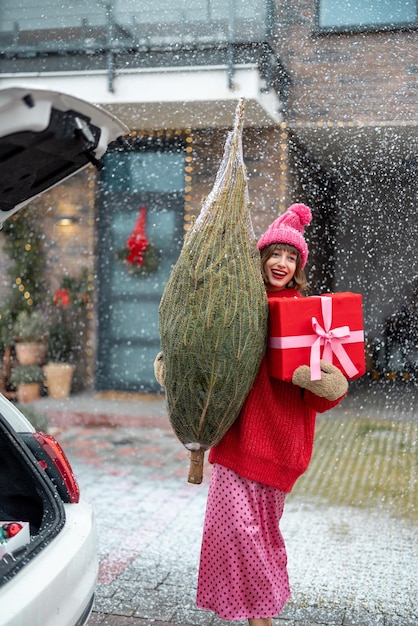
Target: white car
{"x": 48, "y": 561}
{"x": 51, "y": 579}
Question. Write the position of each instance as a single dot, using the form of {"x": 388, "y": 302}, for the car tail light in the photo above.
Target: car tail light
{"x": 61, "y": 464}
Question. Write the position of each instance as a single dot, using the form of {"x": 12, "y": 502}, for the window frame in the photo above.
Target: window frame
{"x": 361, "y": 28}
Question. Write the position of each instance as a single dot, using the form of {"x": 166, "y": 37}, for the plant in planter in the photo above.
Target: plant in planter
{"x": 28, "y": 380}
{"x": 67, "y": 334}
{"x": 23, "y": 242}
{"x": 60, "y": 343}
{"x": 29, "y": 333}
{"x": 59, "y": 370}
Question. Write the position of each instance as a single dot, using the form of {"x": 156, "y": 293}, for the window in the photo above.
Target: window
{"x": 366, "y": 14}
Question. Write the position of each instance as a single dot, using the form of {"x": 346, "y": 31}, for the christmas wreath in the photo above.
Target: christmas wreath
{"x": 140, "y": 256}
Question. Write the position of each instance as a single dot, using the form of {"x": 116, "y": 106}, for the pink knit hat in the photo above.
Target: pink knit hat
{"x": 288, "y": 228}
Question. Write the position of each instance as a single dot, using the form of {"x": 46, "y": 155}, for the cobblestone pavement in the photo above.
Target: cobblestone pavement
{"x": 149, "y": 521}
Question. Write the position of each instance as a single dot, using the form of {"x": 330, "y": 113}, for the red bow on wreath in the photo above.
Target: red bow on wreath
{"x": 137, "y": 243}
{"x": 139, "y": 254}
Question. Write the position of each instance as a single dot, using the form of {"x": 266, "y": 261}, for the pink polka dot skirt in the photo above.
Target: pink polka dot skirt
{"x": 242, "y": 572}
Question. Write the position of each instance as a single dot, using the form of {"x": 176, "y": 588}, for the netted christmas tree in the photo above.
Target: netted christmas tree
{"x": 213, "y": 313}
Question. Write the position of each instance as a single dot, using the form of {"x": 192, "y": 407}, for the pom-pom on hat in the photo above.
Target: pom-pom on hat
{"x": 288, "y": 228}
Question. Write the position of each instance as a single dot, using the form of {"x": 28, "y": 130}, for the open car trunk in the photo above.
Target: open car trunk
{"x": 26, "y": 495}
{"x": 45, "y": 137}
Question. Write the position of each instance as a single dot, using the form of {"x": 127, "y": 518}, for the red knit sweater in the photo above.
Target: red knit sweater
{"x": 271, "y": 441}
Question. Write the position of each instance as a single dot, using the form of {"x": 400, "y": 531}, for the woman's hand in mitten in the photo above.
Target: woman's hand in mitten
{"x": 159, "y": 369}
{"x": 333, "y": 383}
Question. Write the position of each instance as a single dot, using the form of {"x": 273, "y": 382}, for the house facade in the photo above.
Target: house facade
{"x": 331, "y": 120}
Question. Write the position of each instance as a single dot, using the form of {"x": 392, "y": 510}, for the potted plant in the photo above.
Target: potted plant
{"x": 28, "y": 380}
{"x": 58, "y": 370}
{"x": 67, "y": 329}
{"x": 29, "y": 333}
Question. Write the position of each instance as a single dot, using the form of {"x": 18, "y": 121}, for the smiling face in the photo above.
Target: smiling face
{"x": 280, "y": 267}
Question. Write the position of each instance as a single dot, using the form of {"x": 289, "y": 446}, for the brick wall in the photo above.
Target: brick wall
{"x": 370, "y": 77}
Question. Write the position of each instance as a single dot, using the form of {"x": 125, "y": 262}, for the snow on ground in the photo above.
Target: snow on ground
{"x": 150, "y": 524}
{"x": 343, "y": 556}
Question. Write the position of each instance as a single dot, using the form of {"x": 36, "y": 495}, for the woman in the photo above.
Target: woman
{"x": 243, "y": 563}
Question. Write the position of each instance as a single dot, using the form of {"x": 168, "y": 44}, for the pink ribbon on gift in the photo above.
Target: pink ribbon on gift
{"x": 331, "y": 338}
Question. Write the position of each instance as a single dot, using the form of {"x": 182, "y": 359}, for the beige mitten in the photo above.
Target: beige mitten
{"x": 333, "y": 383}
{"x": 159, "y": 369}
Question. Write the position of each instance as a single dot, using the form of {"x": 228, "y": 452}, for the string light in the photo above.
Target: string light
{"x": 188, "y": 179}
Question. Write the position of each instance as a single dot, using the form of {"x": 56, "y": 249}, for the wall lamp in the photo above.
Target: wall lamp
{"x": 66, "y": 220}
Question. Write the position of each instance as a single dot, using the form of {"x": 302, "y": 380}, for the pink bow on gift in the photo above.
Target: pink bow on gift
{"x": 331, "y": 339}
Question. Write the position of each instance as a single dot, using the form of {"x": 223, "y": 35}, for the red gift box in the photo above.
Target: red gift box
{"x": 304, "y": 330}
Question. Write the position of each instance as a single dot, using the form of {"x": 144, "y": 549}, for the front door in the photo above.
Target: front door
{"x": 151, "y": 182}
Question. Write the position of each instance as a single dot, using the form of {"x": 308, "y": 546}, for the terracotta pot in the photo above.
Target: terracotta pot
{"x": 31, "y": 353}
{"x": 28, "y": 392}
{"x": 59, "y": 377}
